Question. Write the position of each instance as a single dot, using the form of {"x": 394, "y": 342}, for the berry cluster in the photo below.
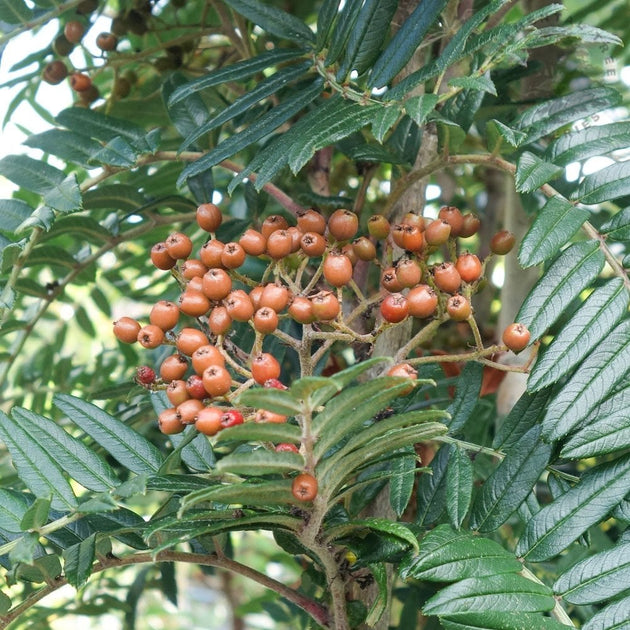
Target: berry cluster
{"x": 312, "y": 278}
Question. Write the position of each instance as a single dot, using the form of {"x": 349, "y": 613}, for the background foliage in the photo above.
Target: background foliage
{"x": 269, "y": 107}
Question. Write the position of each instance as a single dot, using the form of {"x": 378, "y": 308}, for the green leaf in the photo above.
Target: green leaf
{"x": 325, "y": 19}
{"x": 276, "y": 400}
{"x": 613, "y": 617}
{"x": 186, "y": 115}
{"x": 94, "y": 124}
{"x": 274, "y": 21}
{"x": 532, "y": 172}
{"x": 510, "y": 482}
{"x": 574, "y": 269}
{"x": 263, "y": 126}
{"x": 466, "y": 396}
{"x": 610, "y": 183}
{"x": 250, "y": 492}
{"x": 113, "y": 197}
{"x": 177, "y": 483}
{"x": 556, "y": 525}
{"x": 314, "y": 391}
{"x": 234, "y": 72}
{"x": 117, "y": 152}
{"x": 590, "y": 324}
{"x": 50, "y": 255}
{"x": 381, "y": 525}
{"x": 263, "y": 432}
{"x": 197, "y": 454}
{"x": 557, "y": 221}
{"x": 607, "y": 431}
{"x": 38, "y": 469}
{"x": 379, "y": 606}
{"x": 403, "y": 471}
{"x": 432, "y": 489}
{"x": 618, "y": 227}
{"x": 80, "y": 227}
{"x": 15, "y": 12}
{"x": 540, "y": 120}
{"x": 481, "y": 83}
{"x": 450, "y": 135}
{"x": 383, "y": 120}
{"x": 344, "y": 24}
{"x": 498, "y": 133}
{"x": 492, "y": 593}
{"x": 260, "y": 462}
{"x": 597, "y": 376}
{"x": 36, "y": 515}
{"x": 128, "y": 447}
{"x": 419, "y": 107}
{"x": 585, "y": 143}
{"x": 13, "y": 506}
{"x": 459, "y": 480}
{"x": 500, "y": 621}
{"x": 367, "y": 36}
{"x": 67, "y": 145}
{"x": 79, "y": 461}
{"x": 5, "y": 603}
{"x": 262, "y": 90}
{"x": 34, "y": 175}
{"x": 405, "y": 42}
{"x": 350, "y": 374}
{"x": 328, "y": 124}
{"x": 596, "y": 578}
{"x": 79, "y": 560}
{"x": 447, "y": 555}
{"x": 13, "y": 212}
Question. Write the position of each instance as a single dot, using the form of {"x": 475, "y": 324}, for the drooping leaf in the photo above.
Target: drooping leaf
{"x": 117, "y": 152}
{"x": 590, "y": 324}
{"x": 381, "y": 525}
{"x": 325, "y": 19}
{"x": 15, "y": 12}
{"x": 532, "y": 172}
{"x": 510, "y": 482}
{"x": 36, "y": 515}
{"x": 585, "y": 143}
{"x": 188, "y": 114}
{"x": 609, "y": 183}
{"x": 263, "y": 89}
{"x": 405, "y": 42}
{"x": 79, "y": 560}
{"x": 419, "y": 107}
{"x": 492, "y": 593}
{"x": 274, "y": 20}
{"x": 129, "y": 447}
{"x": 272, "y": 399}
{"x": 384, "y": 119}
{"x": 38, "y": 469}
{"x": 14, "y": 212}
{"x": 466, "y": 396}
{"x": 607, "y": 431}
{"x": 432, "y": 489}
{"x": 121, "y": 197}
{"x": 540, "y": 120}
{"x": 500, "y": 621}
{"x": 401, "y": 483}
{"x": 270, "y": 432}
{"x": 263, "y": 126}
{"x": 79, "y": 461}
{"x": 197, "y": 454}
{"x": 555, "y": 224}
{"x": 459, "y": 480}
{"x": 481, "y": 83}
{"x": 574, "y": 269}
{"x": 596, "y": 578}
{"x": 618, "y": 227}
{"x": 497, "y": 132}
{"x": 447, "y": 555}
{"x": 598, "y": 374}
{"x": 556, "y": 525}
{"x": 260, "y": 462}
{"x": 13, "y": 506}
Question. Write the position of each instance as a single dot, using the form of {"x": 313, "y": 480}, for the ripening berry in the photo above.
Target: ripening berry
{"x": 80, "y": 82}
{"x": 126, "y": 329}
{"x": 458, "y": 307}
{"x": 325, "y": 306}
{"x": 253, "y": 242}
{"x": 188, "y": 410}
{"x": 216, "y": 284}
{"x": 275, "y": 296}
{"x": 176, "y": 392}
{"x": 273, "y": 223}
{"x": 453, "y": 217}
{"x": 173, "y": 368}
{"x": 337, "y": 270}
{"x": 285, "y": 447}
{"x": 313, "y": 244}
{"x": 150, "y": 336}
{"x": 422, "y": 301}
{"x": 378, "y": 227}
{"x": 301, "y": 310}
{"x": 161, "y": 258}
{"x": 189, "y": 339}
{"x": 205, "y": 356}
{"x": 408, "y": 272}
{"x": 145, "y": 375}
{"x": 169, "y": 422}
{"x": 106, "y": 42}
{"x": 74, "y": 31}
{"x": 265, "y": 320}
{"x": 55, "y": 72}
{"x": 195, "y": 387}
{"x": 208, "y": 420}
{"x": 398, "y": 231}
{"x": 210, "y": 254}
{"x": 470, "y": 225}
{"x": 412, "y": 238}
{"x": 209, "y": 217}
{"x": 389, "y": 281}
{"x": 274, "y": 383}
{"x": 264, "y": 367}
{"x": 446, "y": 277}
{"x": 296, "y": 236}
{"x": 343, "y": 225}
{"x": 193, "y": 303}
{"x": 311, "y": 221}
{"x": 437, "y": 232}
{"x": 364, "y": 249}
{"x": 516, "y": 337}
{"x": 219, "y": 321}
{"x": 270, "y": 417}
{"x": 193, "y": 268}
{"x": 239, "y": 306}
{"x": 178, "y": 245}
{"x": 279, "y": 244}
{"x": 411, "y": 218}
{"x": 216, "y": 380}
{"x": 502, "y": 242}
{"x": 233, "y": 256}
{"x": 404, "y": 370}
{"x": 304, "y": 487}
{"x": 469, "y": 267}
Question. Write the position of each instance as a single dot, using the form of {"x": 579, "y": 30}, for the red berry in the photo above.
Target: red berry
{"x": 311, "y": 221}
{"x": 343, "y": 225}
{"x": 161, "y": 258}
{"x": 145, "y": 375}
{"x": 469, "y": 267}
{"x": 216, "y": 380}
{"x": 422, "y": 301}
{"x": 437, "y": 232}
{"x": 516, "y": 337}
{"x": 453, "y": 217}
{"x": 230, "y": 418}
{"x": 209, "y": 217}
{"x": 447, "y": 277}
{"x": 286, "y": 448}
{"x": 394, "y": 308}
{"x": 178, "y": 245}
{"x": 304, "y": 487}
{"x": 195, "y": 387}
{"x": 337, "y": 270}
{"x": 274, "y": 383}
